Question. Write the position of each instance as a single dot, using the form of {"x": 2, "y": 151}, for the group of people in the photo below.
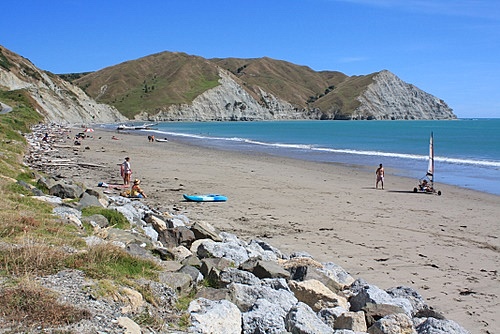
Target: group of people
{"x": 126, "y": 173}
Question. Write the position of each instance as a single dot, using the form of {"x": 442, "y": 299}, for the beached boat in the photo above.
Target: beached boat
{"x": 426, "y": 184}
{"x": 205, "y": 198}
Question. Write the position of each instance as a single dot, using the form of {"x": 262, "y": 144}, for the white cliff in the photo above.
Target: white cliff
{"x": 56, "y": 99}
{"x": 388, "y": 97}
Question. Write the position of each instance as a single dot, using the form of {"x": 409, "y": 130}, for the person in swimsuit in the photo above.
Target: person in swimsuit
{"x": 380, "y": 176}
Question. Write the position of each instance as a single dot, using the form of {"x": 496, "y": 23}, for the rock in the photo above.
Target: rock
{"x": 66, "y": 190}
{"x": 232, "y": 275}
{"x": 192, "y": 260}
{"x": 34, "y": 190}
{"x": 209, "y": 316}
{"x": 63, "y": 211}
{"x": 173, "y": 237}
{"x": 180, "y": 282}
{"x": 440, "y": 326}
{"x": 317, "y": 295}
{"x": 136, "y": 250}
{"x": 158, "y": 224}
{"x": 46, "y": 183}
{"x": 180, "y": 253}
{"x": 103, "y": 199}
{"x": 96, "y": 220}
{"x": 264, "y": 317}
{"x": 354, "y": 321}
{"x": 267, "y": 248}
{"x": 129, "y": 325}
{"x": 48, "y": 199}
{"x": 264, "y": 269}
{"x": 212, "y": 267}
{"x": 256, "y": 251}
{"x": 302, "y": 319}
{"x": 87, "y": 201}
{"x": 332, "y": 275}
{"x": 275, "y": 291}
{"x": 204, "y": 230}
{"x": 195, "y": 274}
{"x": 374, "y": 312}
{"x": 393, "y": 324}
{"x": 366, "y": 293}
{"x": 117, "y": 235}
{"x": 211, "y": 293}
{"x": 228, "y": 250}
{"x": 329, "y": 315}
{"x": 416, "y": 300}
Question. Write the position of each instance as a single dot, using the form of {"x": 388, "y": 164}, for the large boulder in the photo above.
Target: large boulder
{"x": 219, "y": 316}
{"x": 394, "y": 324}
{"x": 440, "y": 326}
{"x": 264, "y": 317}
{"x": 302, "y": 319}
{"x": 317, "y": 295}
{"x": 228, "y": 250}
{"x": 265, "y": 269}
{"x": 66, "y": 190}
{"x": 275, "y": 291}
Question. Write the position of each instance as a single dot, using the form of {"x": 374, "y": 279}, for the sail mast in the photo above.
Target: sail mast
{"x": 430, "y": 169}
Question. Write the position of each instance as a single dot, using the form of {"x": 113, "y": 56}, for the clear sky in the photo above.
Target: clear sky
{"x": 448, "y": 48}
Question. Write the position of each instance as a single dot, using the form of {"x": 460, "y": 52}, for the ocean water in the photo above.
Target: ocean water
{"x": 467, "y": 151}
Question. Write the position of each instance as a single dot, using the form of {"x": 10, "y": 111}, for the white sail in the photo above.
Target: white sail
{"x": 430, "y": 169}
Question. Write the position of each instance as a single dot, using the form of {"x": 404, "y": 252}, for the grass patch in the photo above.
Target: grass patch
{"x": 111, "y": 262}
{"x": 31, "y": 304}
{"x": 115, "y": 218}
{"x": 31, "y": 258}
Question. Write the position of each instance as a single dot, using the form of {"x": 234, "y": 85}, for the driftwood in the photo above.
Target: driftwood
{"x": 72, "y": 164}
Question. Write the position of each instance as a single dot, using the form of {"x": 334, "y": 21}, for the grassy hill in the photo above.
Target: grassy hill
{"x": 155, "y": 82}
{"x": 151, "y": 83}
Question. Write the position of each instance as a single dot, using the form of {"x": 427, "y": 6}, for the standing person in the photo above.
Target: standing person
{"x": 126, "y": 171}
{"x": 380, "y": 176}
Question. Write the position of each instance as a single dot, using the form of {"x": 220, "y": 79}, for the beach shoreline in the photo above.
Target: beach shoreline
{"x": 445, "y": 247}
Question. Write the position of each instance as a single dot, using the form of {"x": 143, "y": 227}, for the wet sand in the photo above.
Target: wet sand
{"x": 446, "y": 247}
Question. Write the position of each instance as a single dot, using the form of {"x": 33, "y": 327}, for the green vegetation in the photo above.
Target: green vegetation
{"x": 36, "y": 243}
{"x": 116, "y": 219}
{"x": 70, "y": 77}
{"x": 4, "y": 62}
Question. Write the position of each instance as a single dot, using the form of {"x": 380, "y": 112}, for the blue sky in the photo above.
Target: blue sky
{"x": 450, "y": 49}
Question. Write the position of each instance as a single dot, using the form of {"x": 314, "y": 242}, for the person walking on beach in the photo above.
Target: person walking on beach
{"x": 126, "y": 171}
{"x": 380, "y": 176}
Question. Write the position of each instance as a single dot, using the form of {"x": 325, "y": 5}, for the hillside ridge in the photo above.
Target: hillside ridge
{"x": 175, "y": 86}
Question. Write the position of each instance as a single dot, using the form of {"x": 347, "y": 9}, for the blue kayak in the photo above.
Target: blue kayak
{"x": 205, "y": 198}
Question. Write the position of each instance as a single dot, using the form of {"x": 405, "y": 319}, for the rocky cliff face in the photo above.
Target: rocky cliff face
{"x": 227, "y": 102}
{"x": 56, "y": 99}
{"x": 388, "y": 97}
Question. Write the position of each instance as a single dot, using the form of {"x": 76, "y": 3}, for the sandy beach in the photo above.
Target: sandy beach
{"x": 446, "y": 247}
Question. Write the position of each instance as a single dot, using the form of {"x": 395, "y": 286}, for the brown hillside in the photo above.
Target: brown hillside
{"x": 151, "y": 82}
{"x": 292, "y": 83}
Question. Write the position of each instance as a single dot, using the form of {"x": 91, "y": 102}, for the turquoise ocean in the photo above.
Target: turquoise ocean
{"x": 467, "y": 151}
